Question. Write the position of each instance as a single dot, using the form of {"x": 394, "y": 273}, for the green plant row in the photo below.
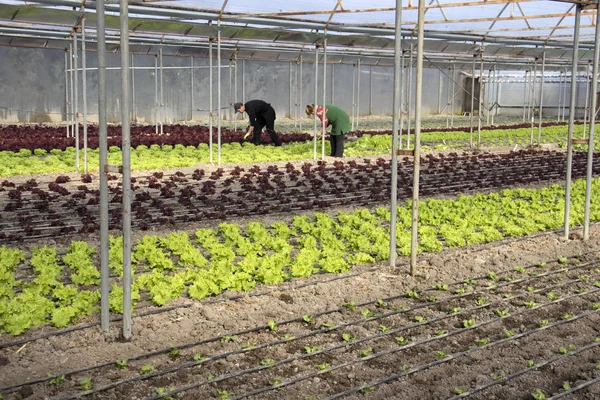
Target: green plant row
{"x": 232, "y": 258}
{"x": 156, "y": 157}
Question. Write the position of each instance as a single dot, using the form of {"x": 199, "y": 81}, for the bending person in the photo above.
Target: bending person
{"x": 339, "y": 121}
{"x": 261, "y": 115}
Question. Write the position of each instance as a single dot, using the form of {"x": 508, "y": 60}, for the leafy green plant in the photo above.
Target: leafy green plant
{"x": 441, "y": 286}
{"x": 267, "y": 361}
{"x": 541, "y": 264}
{"x": 567, "y": 316}
{"x": 347, "y": 337}
{"x": 324, "y": 366}
{"x": 224, "y": 394}
{"x": 307, "y": 318}
{"x": 365, "y": 352}
{"x": 163, "y": 390}
{"x": 351, "y": 305}
{"x": 481, "y": 342}
{"x": 566, "y": 386}
{"x": 519, "y": 269}
{"x": 543, "y": 323}
{"x": 310, "y": 350}
{"x": 553, "y": 296}
{"x": 497, "y": 377}
{"x": 413, "y": 294}
{"x": 538, "y": 395}
{"x": 562, "y": 260}
{"x": 198, "y": 357}
{"x": 431, "y": 299}
{"x": 529, "y": 304}
{"x": 57, "y": 380}
{"x": 440, "y": 355}
{"x": 481, "y": 301}
{"x": 501, "y": 313}
{"x": 460, "y": 291}
{"x": 565, "y": 350}
{"x": 383, "y": 328}
{"x": 471, "y": 281}
{"x": 459, "y": 390}
{"x": 441, "y": 332}
{"x": 86, "y": 384}
{"x": 455, "y": 310}
{"x": 174, "y": 352}
{"x": 530, "y": 288}
{"x": 366, "y": 389}
{"x": 226, "y": 339}
{"x": 272, "y": 325}
{"x": 327, "y": 324}
{"x": 380, "y": 303}
{"x": 508, "y": 333}
{"x": 401, "y": 340}
{"x": 492, "y": 275}
{"x": 122, "y": 363}
{"x": 146, "y": 369}
{"x": 367, "y": 313}
{"x": 419, "y": 318}
{"x": 467, "y": 323}
{"x": 530, "y": 363}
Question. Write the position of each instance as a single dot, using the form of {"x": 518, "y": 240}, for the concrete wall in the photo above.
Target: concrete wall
{"x": 32, "y": 87}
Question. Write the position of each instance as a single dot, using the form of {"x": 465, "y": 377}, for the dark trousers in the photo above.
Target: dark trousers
{"x": 266, "y": 120}
{"x": 337, "y": 145}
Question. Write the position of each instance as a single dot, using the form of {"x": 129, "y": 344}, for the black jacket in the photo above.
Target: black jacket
{"x": 259, "y": 109}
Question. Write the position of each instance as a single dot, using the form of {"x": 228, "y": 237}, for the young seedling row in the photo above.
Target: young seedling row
{"x": 364, "y": 345}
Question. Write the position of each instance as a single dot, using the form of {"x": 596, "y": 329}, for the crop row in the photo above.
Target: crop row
{"x": 398, "y": 338}
{"x": 59, "y": 208}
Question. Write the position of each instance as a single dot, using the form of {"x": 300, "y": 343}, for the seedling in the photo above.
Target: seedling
{"x": 419, "y": 318}
{"x": 501, "y": 313}
{"x": 147, "y": 369}
{"x": 307, "y": 318}
{"x": 507, "y": 279}
{"x": 543, "y": 323}
{"x": 553, "y": 296}
{"x": 431, "y": 299}
{"x": 471, "y": 281}
{"x": 584, "y": 278}
{"x": 580, "y": 291}
{"x": 565, "y": 350}
{"x": 267, "y": 361}
{"x": 121, "y": 364}
{"x": 482, "y": 342}
{"x": 497, "y": 377}
{"x": 441, "y": 332}
{"x": 310, "y": 350}
{"x": 413, "y": 294}
{"x": 324, "y": 366}
{"x": 562, "y": 260}
{"x": 383, "y": 328}
{"x": 481, "y": 301}
{"x": 460, "y": 390}
{"x": 556, "y": 281}
{"x": 541, "y": 264}
{"x": 350, "y": 305}
{"x": 58, "y": 380}
{"x": 566, "y": 386}
{"x": 455, "y": 310}
{"x": 274, "y": 382}
{"x": 467, "y": 323}
{"x": 440, "y": 354}
{"x": 596, "y": 306}
{"x": 508, "y": 333}
{"x": 519, "y": 269}
{"x": 460, "y": 291}
{"x": 286, "y": 336}
{"x": 174, "y": 353}
{"x": 226, "y": 339}
{"x": 163, "y": 390}
{"x": 223, "y": 394}
{"x": 529, "y": 304}
{"x": 401, "y": 340}
{"x": 538, "y": 395}
{"x": 248, "y": 345}
{"x": 567, "y": 316}
{"x": 492, "y": 275}
{"x": 530, "y": 288}
{"x": 272, "y": 325}
{"x": 367, "y": 313}
{"x": 86, "y": 384}
{"x": 507, "y": 295}
{"x": 198, "y": 357}
{"x": 210, "y": 377}
{"x": 530, "y": 363}
{"x": 441, "y": 286}
{"x": 366, "y": 389}
{"x": 380, "y": 303}
{"x": 347, "y": 337}
{"x": 327, "y": 325}
{"x": 365, "y": 352}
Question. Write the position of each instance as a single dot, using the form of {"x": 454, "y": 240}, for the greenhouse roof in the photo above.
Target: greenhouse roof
{"x": 510, "y": 33}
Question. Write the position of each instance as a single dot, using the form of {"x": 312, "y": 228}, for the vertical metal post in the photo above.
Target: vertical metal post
{"x": 219, "y": 94}
{"x": 409, "y": 95}
{"x": 84, "y": 95}
{"x": 480, "y": 99}
{"x": 358, "y": 94}
{"x": 210, "y": 99}
{"x": 417, "y": 149}
{"x": 231, "y": 100}
{"x": 133, "y": 113}
{"x": 243, "y": 80}
{"x": 103, "y": 153}
{"x": 453, "y": 94}
{"x": 586, "y": 107}
{"x": 316, "y": 102}
{"x": 401, "y": 105}
{"x": 488, "y": 92}
{"x": 440, "y": 85}
{"x": 72, "y": 120}
{"x": 76, "y": 98}
{"x": 162, "y": 98}
{"x": 448, "y": 103}
{"x": 370, "y": 90}
{"x": 559, "y": 94}
{"x": 191, "y": 88}
{"x": 472, "y": 102}
{"x": 300, "y": 84}
{"x": 324, "y": 93}
{"x": 353, "y": 93}
{"x": 290, "y": 92}
{"x": 396, "y": 106}
{"x": 525, "y": 95}
{"x": 572, "y": 120}
{"x": 156, "y": 93}
{"x": 67, "y": 102}
{"x": 296, "y": 103}
{"x": 533, "y": 100}
{"x": 590, "y": 155}
{"x": 332, "y": 83}
{"x": 235, "y": 92}
{"x": 126, "y": 148}
{"x": 541, "y": 98}
{"x": 565, "y": 97}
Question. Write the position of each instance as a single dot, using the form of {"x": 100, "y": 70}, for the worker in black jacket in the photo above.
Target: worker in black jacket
{"x": 261, "y": 115}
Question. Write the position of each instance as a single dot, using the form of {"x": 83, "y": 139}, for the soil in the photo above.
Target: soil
{"x": 211, "y": 322}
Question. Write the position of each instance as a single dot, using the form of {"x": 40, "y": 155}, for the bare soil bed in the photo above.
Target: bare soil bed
{"x": 501, "y": 335}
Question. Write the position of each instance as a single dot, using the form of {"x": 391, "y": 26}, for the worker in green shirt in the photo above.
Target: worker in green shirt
{"x": 339, "y": 121}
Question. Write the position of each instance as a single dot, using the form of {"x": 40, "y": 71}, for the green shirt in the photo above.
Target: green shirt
{"x": 338, "y": 119}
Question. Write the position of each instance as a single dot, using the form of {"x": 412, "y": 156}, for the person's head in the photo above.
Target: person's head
{"x": 310, "y": 109}
{"x": 239, "y": 107}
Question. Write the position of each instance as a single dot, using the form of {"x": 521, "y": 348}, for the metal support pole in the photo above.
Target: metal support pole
{"x": 316, "y": 102}
{"x": 67, "y": 102}
{"x": 156, "y": 93}
{"x": 417, "y": 149}
{"x": 358, "y": 94}
{"x": 565, "y": 97}
{"x": 559, "y": 94}
{"x": 243, "y": 80}
{"x": 541, "y": 98}
{"x": 497, "y": 102}
{"x": 480, "y": 99}
{"x": 353, "y": 94}
{"x": 448, "y": 103}
{"x": 401, "y": 112}
{"x": 440, "y": 84}
{"x": 133, "y": 107}
{"x": 231, "y": 100}
{"x": 235, "y": 92}
{"x": 219, "y": 94}
{"x": 76, "y": 98}
{"x": 300, "y": 82}
{"x": 396, "y": 105}
{"x": 191, "y": 88}
{"x": 453, "y": 95}
{"x": 590, "y": 155}
{"x": 586, "y": 107}
{"x": 290, "y": 92}
{"x": 488, "y": 92}
{"x": 210, "y": 99}
{"x": 409, "y": 95}
{"x": 162, "y": 98}
{"x": 84, "y": 95}
{"x": 296, "y": 102}
{"x": 324, "y": 93}
{"x": 370, "y": 90}
{"x": 126, "y": 148}
{"x": 332, "y": 84}
{"x": 533, "y": 100}
{"x": 72, "y": 86}
{"x": 472, "y": 102}
{"x": 572, "y": 120}
{"x": 525, "y": 95}
{"x": 103, "y": 153}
